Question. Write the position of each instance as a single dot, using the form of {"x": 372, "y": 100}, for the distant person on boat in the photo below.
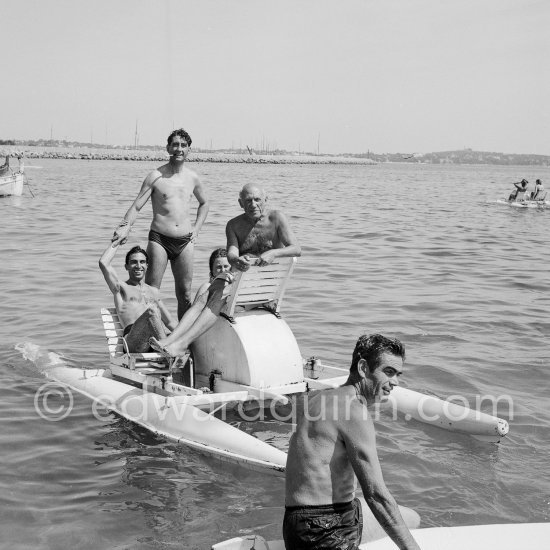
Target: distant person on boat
{"x": 172, "y": 236}
{"x": 259, "y": 235}
{"x": 539, "y": 194}
{"x": 519, "y": 193}
{"x": 138, "y": 304}
{"x": 206, "y": 308}
{"x": 5, "y": 168}
{"x": 334, "y": 443}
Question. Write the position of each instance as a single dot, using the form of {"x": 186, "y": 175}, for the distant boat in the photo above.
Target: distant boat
{"x": 11, "y": 183}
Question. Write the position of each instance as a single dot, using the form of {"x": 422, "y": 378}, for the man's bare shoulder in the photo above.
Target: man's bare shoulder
{"x": 277, "y": 216}
{"x": 342, "y": 406}
{"x": 155, "y": 174}
{"x": 123, "y": 287}
{"x": 324, "y": 414}
{"x": 234, "y": 222}
{"x": 357, "y": 420}
{"x": 335, "y": 403}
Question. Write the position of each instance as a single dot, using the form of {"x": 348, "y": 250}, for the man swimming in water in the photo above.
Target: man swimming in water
{"x": 138, "y": 305}
{"x": 172, "y": 236}
{"x": 259, "y": 235}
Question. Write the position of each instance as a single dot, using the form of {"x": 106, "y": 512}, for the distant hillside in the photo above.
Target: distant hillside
{"x": 463, "y": 156}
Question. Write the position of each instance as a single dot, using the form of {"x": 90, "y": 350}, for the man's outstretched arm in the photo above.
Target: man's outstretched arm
{"x": 109, "y": 272}
{"x": 122, "y": 231}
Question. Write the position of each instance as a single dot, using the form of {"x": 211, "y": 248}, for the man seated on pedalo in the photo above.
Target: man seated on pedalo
{"x": 257, "y": 237}
{"x": 334, "y": 443}
{"x": 138, "y": 304}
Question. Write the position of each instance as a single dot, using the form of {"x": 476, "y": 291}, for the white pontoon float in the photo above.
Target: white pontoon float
{"x": 526, "y": 203}
{"x": 249, "y": 355}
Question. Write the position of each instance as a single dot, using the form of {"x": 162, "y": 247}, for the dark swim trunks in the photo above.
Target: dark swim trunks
{"x": 174, "y": 246}
{"x": 328, "y": 527}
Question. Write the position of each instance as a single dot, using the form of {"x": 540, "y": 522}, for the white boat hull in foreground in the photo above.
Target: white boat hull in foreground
{"x": 507, "y": 536}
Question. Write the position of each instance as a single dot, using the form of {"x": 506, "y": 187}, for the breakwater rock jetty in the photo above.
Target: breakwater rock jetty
{"x": 88, "y": 153}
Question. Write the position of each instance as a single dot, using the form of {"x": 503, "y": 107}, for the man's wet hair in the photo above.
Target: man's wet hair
{"x": 218, "y": 253}
{"x": 182, "y": 134}
{"x": 135, "y": 250}
{"x": 371, "y": 347}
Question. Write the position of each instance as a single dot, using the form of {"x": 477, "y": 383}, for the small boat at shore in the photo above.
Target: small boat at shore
{"x": 505, "y": 536}
{"x": 249, "y": 359}
{"x": 11, "y": 183}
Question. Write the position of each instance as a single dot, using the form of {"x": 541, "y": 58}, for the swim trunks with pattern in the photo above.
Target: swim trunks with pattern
{"x": 331, "y": 527}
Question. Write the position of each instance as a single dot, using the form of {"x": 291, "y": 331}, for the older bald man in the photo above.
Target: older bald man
{"x": 259, "y": 235}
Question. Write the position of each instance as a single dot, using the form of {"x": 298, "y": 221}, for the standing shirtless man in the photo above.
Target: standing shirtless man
{"x": 172, "y": 236}
{"x": 259, "y": 235}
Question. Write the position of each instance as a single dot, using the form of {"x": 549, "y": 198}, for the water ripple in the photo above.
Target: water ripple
{"x": 462, "y": 281}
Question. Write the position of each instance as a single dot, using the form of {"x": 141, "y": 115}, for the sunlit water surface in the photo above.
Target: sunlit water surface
{"x": 423, "y": 253}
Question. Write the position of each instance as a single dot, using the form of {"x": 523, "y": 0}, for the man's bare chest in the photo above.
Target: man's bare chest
{"x": 140, "y": 294}
{"x": 179, "y": 189}
{"x": 259, "y": 239}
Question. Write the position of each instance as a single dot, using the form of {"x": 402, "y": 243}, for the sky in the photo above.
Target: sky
{"x": 386, "y": 76}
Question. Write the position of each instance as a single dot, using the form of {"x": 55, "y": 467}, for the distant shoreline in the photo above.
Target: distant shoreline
{"x": 158, "y": 154}
{"x": 87, "y": 153}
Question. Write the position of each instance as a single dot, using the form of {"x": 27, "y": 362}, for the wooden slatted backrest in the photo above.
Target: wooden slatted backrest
{"x": 260, "y": 286}
{"x": 113, "y": 331}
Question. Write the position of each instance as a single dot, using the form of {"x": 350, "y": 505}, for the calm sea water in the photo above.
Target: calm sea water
{"x": 423, "y": 253}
